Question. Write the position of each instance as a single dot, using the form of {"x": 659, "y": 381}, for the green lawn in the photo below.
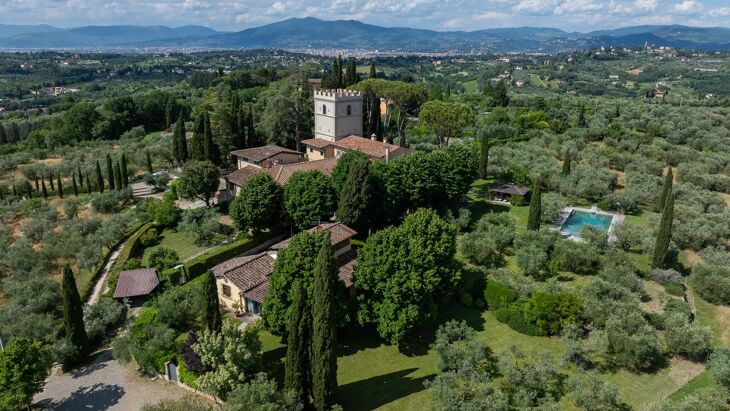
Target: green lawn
{"x": 470, "y": 86}
{"x": 704, "y": 380}
{"x": 181, "y": 242}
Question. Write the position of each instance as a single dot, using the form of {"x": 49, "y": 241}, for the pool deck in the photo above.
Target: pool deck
{"x": 567, "y": 211}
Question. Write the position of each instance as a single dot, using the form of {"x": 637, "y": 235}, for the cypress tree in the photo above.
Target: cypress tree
{"x": 356, "y": 196}
{"x": 233, "y": 117}
{"x": 338, "y": 73}
{"x": 148, "y": 161}
{"x": 212, "y": 320}
{"x": 110, "y": 171}
{"x": 117, "y": 176}
{"x": 75, "y": 187}
{"x": 251, "y": 130}
{"x": 88, "y": 184}
{"x": 324, "y": 327}
{"x": 44, "y": 192}
{"x": 297, "y": 372}
{"x": 197, "y": 152}
{"x": 240, "y": 138}
{"x": 666, "y": 189}
{"x": 99, "y": 178}
{"x": 373, "y": 72}
{"x": 2, "y": 196}
{"x": 582, "y": 117}
{"x": 28, "y": 189}
{"x": 665, "y": 233}
{"x": 73, "y": 314}
{"x": 123, "y": 171}
{"x": 169, "y": 106}
{"x": 533, "y": 219}
{"x": 15, "y": 190}
{"x": 212, "y": 152}
{"x": 180, "y": 146}
{"x": 81, "y": 176}
{"x": 37, "y": 184}
{"x": 483, "y": 153}
{"x": 50, "y": 180}
{"x": 3, "y": 136}
{"x": 60, "y": 185}
{"x": 566, "y": 163}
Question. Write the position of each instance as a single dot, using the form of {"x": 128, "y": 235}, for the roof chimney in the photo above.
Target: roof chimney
{"x": 374, "y": 137}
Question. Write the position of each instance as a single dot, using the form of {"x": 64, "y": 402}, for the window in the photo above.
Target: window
{"x": 324, "y": 109}
{"x": 226, "y": 290}
{"x": 349, "y": 110}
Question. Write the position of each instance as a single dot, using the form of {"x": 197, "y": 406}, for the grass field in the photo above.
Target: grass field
{"x": 181, "y": 242}
{"x": 470, "y": 86}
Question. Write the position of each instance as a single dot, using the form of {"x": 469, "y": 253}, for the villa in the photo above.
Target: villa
{"x": 243, "y": 282}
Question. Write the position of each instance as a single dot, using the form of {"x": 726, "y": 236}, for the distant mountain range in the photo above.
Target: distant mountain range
{"x": 314, "y": 33}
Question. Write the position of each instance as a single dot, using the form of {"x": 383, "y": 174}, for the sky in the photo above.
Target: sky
{"x": 234, "y": 15}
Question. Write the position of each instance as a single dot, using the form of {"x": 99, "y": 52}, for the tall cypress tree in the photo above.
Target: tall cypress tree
{"x": 110, "y": 171}
{"x": 44, "y": 192}
{"x": 666, "y": 189}
{"x": 169, "y": 114}
{"x": 566, "y": 163}
{"x": 324, "y": 327}
{"x": 212, "y": 152}
{"x": 3, "y": 136}
{"x": 81, "y": 176}
{"x": 2, "y": 196}
{"x": 212, "y": 320}
{"x": 75, "y": 187}
{"x": 73, "y": 314}
{"x": 664, "y": 236}
{"x": 233, "y": 120}
{"x": 297, "y": 372}
{"x": 180, "y": 145}
{"x": 88, "y": 183}
{"x": 15, "y": 190}
{"x": 60, "y": 185}
{"x": 483, "y": 153}
{"x": 533, "y": 219}
{"x": 37, "y": 184}
{"x": 251, "y": 130}
{"x": 373, "y": 72}
{"x": 239, "y": 141}
{"x": 582, "y": 117}
{"x": 50, "y": 180}
{"x": 338, "y": 73}
{"x": 28, "y": 189}
{"x": 148, "y": 162}
{"x": 123, "y": 171}
{"x": 356, "y": 196}
{"x": 117, "y": 176}
{"x": 197, "y": 150}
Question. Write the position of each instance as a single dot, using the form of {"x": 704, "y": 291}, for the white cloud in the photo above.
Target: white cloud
{"x": 633, "y": 8}
{"x": 577, "y": 6}
{"x": 720, "y": 12}
{"x": 535, "y": 6}
{"x": 687, "y": 7}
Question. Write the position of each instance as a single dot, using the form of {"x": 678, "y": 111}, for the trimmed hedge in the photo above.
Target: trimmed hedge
{"x": 205, "y": 262}
{"x": 514, "y": 316}
{"x": 498, "y": 295}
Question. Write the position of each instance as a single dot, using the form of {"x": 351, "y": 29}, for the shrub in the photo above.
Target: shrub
{"x": 514, "y": 316}
{"x": 101, "y": 318}
{"x": 630, "y": 235}
{"x": 719, "y": 365}
{"x": 466, "y": 300}
{"x": 162, "y": 258}
{"x": 150, "y": 237}
{"x": 677, "y": 307}
{"x": 666, "y": 276}
{"x": 579, "y": 258}
{"x": 551, "y": 204}
{"x": 674, "y": 289}
{"x": 104, "y": 202}
{"x": 517, "y": 200}
{"x": 479, "y": 303}
{"x": 712, "y": 282}
{"x": 550, "y": 312}
{"x": 498, "y": 295}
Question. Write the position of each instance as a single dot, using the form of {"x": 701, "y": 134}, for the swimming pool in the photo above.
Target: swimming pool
{"x": 579, "y": 219}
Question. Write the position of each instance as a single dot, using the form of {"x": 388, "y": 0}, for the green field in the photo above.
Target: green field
{"x": 181, "y": 242}
{"x": 470, "y": 86}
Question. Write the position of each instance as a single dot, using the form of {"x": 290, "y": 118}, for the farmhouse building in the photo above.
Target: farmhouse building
{"x": 243, "y": 282}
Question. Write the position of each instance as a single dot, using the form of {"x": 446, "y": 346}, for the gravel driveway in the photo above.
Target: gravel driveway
{"x": 104, "y": 384}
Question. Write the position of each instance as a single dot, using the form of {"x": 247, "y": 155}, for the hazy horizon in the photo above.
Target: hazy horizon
{"x": 448, "y": 15}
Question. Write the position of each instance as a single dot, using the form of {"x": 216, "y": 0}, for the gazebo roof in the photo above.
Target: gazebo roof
{"x": 510, "y": 188}
{"x": 135, "y": 283}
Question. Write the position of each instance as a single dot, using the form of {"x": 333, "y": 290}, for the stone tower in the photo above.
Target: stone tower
{"x": 337, "y": 114}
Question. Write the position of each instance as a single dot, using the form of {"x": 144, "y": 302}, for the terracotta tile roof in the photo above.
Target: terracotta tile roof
{"x": 247, "y": 273}
{"x": 282, "y": 172}
{"x": 338, "y": 233}
{"x": 373, "y": 148}
{"x": 347, "y": 268}
{"x": 258, "y": 293}
{"x": 242, "y": 175}
{"x": 262, "y": 153}
{"x": 134, "y": 283}
{"x": 316, "y": 142}
{"x": 510, "y": 188}
{"x": 229, "y": 265}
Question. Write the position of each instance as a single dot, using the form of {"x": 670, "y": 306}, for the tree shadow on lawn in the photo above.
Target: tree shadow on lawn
{"x": 480, "y": 207}
{"x": 99, "y": 397}
{"x": 377, "y": 391}
{"x": 419, "y": 341}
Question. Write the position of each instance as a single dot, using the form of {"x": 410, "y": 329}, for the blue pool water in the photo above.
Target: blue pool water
{"x": 580, "y": 219}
